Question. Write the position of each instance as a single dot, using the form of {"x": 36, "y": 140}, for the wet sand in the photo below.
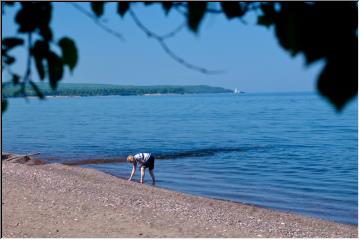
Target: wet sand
{"x": 55, "y": 200}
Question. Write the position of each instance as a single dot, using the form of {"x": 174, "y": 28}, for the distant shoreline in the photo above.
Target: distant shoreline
{"x": 146, "y": 95}
{"x": 67, "y": 89}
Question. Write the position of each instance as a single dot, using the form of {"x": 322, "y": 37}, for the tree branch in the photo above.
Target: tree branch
{"x": 174, "y": 32}
{"x": 161, "y": 40}
{"x": 97, "y": 22}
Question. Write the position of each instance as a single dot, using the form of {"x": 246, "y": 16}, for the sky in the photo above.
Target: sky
{"x": 249, "y": 55}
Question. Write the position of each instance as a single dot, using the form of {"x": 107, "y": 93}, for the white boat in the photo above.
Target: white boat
{"x": 236, "y": 91}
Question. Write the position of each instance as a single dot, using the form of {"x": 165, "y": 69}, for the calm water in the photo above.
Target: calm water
{"x": 291, "y": 152}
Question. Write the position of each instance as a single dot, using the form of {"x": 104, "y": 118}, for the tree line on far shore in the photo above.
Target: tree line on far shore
{"x": 72, "y": 89}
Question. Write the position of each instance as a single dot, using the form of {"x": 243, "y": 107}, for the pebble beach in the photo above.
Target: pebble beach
{"x": 54, "y": 200}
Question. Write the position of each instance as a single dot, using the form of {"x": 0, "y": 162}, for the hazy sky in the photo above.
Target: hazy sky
{"x": 249, "y": 54}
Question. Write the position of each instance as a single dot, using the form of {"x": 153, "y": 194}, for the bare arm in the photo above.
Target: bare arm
{"x": 133, "y": 171}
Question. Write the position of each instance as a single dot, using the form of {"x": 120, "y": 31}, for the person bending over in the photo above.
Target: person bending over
{"x": 145, "y": 160}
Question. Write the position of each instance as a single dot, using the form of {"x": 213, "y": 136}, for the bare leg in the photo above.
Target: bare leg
{"x": 152, "y": 175}
{"x": 142, "y": 174}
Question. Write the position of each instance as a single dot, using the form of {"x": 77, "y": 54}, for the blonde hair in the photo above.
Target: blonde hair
{"x": 130, "y": 158}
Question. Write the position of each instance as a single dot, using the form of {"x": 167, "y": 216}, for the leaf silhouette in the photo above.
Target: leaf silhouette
{"x": 122, "y": 8}
{"x": 232, "y": 9}
{"x": 11, "y": 42}
{"x": 40, "y": 51}
{"x": 167, "y": 6}
{"x": 55, "y": 69}
{"x": 69, "y": 52}
{"x": 98, "y": 8}
{"x": 196, "y": 12}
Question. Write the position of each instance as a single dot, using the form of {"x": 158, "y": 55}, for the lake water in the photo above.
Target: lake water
{"x": 290, "y": 152}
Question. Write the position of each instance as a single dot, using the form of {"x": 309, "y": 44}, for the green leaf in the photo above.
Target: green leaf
{"x": 232, "y": 9}
{"x": 11, "y": 42}
{"x": 40, "y": 52}
{"x": 123, "y": 7}
{"x": 37, "y": 90}
{"x": 55, "y": 69}
{"x": 69, "y": 52}
{"x": 196, "y": 12}
{"x": 98, "y": 8}
{"x": 166, "y": 6}
{"x": 4, "y": 105}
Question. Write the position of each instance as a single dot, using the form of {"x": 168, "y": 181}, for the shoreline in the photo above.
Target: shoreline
{"x": 54, "y": 200}
{"x": 117, "y": 95}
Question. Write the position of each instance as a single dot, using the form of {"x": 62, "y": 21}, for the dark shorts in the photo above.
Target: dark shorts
{"x": 150, "y": 162}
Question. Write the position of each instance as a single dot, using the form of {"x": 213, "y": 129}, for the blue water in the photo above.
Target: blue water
{"x": 291, "y": 152}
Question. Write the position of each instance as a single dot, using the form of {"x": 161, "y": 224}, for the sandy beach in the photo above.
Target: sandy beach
{"x": 55, "y": 200}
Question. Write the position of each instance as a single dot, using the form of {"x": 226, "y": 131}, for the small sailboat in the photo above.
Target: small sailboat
{"x": 236, "y": 91}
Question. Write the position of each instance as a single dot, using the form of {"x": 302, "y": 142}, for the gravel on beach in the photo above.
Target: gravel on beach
{"x": 54, "y": 200}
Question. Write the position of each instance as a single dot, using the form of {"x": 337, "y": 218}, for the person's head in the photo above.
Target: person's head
{"x": 131, "y": 159}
